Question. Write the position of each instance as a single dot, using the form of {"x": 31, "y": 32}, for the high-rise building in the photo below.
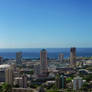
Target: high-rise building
{"x": 24, "y": 77}
{"x": 77, "y": 83}
{"x": 2, "y": 72}
{"x": 73, "y": 56}
{"x": 6, "y": 74}
{"x": 61, "y": 58}
{"x": 60, "y": 81}
{"x": 9, "y": 76}
{"x": 19, "y": 57}
{"x": 1, "y": 60}
{"x": 43, "y": 63}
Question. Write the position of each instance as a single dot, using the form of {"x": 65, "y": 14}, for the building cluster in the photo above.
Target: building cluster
{"x": 48, "y": 72}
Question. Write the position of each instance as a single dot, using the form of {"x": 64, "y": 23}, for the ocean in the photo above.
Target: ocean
{"x": 52, "y": 52}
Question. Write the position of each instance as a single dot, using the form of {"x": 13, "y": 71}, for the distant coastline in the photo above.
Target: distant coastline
{"x": 35, "y": 52}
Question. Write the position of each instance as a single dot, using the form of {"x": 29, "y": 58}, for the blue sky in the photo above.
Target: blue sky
{"x": 45, "y": 23}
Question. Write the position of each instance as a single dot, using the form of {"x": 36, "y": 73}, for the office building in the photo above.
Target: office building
{"x": 43, "y": 63}
{"x": 61, "y": 58}
{"x": 60, "y": 81}
{"x": 77, "y": 83}
{"x": 1, "y": 60}
{"x": 73, "y": 57}
{"x": 19, "y": 57}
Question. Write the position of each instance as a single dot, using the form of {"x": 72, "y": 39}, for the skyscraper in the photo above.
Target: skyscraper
{"x": 1, "y": 60}
{"x": 19, "y": 57}
{"x": 9, "y": 76}
{"x": 43, "y": 63}
{"x": 61, "y": 58}
{"x": 73, "y": 56}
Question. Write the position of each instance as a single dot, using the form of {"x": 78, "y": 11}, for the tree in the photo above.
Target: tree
{"x": 6, "y": 87}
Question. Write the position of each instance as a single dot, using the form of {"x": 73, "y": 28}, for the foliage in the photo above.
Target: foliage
{"x": 88, "y": 77}
{"x": 5, "y": 88}
{"x": 34, "y": 86}
{"x": 52, "y": 90}
{"x": 68, "y": 79}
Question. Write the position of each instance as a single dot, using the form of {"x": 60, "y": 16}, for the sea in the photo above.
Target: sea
{"x": 33, "y": 53}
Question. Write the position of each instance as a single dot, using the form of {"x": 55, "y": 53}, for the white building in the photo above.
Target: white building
{"x": 77, "y": 83}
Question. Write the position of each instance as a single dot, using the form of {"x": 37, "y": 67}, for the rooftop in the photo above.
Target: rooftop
{"x": 4, "y": 66}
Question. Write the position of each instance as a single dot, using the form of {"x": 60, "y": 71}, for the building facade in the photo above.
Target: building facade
{"x": 77, "y": 83}
{"x": 9, "y": 76}
{"x": 60, "y": 81}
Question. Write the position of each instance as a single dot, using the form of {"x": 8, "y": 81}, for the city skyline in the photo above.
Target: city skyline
{"x": 45, "y": 23}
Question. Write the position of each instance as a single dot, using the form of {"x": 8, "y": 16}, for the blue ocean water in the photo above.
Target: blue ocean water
{"x": 52, "y": 52}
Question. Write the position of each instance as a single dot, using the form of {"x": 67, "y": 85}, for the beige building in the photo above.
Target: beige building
{"x": 6, "y": 74}
{"x": 43, "y": 63}
{"x": 9, "y": 76}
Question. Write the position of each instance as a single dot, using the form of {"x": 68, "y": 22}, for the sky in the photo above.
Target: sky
{"x": 45, "y": 23}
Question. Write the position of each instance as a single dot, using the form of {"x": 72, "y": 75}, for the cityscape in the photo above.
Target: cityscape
{"x": 45, "y": 45}
{"x": 72, "y": 74}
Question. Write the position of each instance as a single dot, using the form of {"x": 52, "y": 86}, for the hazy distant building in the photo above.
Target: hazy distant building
{"x": 77, "y": 83}
{"x": 19, "y": 57}
{"x": 61, "y": 58}
{"x": 73, "y": 56}
{"x": 60, "y": 81}
{"x": 1, "y": 60}
{"x": 43, "y": 63}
